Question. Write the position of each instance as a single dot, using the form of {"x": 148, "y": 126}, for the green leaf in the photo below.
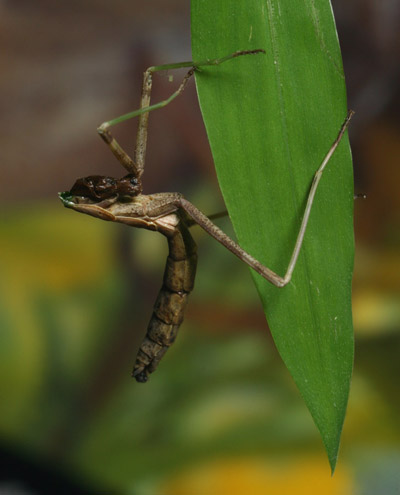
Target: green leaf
{"x": 270, "y": 121}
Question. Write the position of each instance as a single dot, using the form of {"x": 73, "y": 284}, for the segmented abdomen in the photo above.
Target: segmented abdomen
{"x": 168, "y": 313}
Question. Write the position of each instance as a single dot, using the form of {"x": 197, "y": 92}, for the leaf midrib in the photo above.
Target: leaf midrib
{"x": 290, "y": 165}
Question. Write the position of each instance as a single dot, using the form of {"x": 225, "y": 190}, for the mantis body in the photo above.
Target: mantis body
{"x": 121, "y": 200}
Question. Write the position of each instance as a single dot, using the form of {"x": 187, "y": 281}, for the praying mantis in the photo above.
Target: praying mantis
{"x": 121, "y": 200}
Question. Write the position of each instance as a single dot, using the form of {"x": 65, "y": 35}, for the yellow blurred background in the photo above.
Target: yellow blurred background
{"x": 222, "y": 415}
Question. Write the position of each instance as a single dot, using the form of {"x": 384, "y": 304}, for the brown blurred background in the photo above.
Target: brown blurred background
{"x": 222, "y": 416}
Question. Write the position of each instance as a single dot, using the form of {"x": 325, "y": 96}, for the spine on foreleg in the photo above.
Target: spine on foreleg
{"x": 170, "y": 305}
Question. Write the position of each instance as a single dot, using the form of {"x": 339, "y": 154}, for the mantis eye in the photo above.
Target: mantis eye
{"x": 128, "y": 186}
{"x": 95, "y": 187}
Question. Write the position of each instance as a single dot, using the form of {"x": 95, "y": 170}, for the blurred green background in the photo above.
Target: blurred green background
{"x": 221, "y": 415}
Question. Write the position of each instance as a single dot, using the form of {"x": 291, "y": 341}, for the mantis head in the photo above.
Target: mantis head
{"x": 91, "y": 194}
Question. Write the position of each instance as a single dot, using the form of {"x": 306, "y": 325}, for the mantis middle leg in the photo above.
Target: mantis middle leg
{"x": 136, "y": 166}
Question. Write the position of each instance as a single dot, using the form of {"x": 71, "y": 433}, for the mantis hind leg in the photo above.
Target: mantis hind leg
{"x": 279, "y": 281}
